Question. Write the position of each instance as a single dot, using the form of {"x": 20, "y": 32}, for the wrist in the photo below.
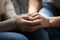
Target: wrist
{"x": 15, "y": 18}
{"x": 15, "y": 21}
{"x": 50, "y": 23}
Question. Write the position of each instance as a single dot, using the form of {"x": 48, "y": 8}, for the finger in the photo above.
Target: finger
{"x": 33, "y": 28}
{"x": 34, "y": 14}
{"x": 35, "y": 22}
{"x": 26, "y": 17}
{"x": 27, "y": 22}
{"x": 31, "y": 22}
{"x": 36, "y": 17}
{"x": 29, "y": 18}
{"x": 29, "y": 14}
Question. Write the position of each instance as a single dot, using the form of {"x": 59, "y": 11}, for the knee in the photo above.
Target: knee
{"x": 12, "y": 36}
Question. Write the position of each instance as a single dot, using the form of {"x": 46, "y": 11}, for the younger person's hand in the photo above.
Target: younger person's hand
{"x": 44, "y": 22}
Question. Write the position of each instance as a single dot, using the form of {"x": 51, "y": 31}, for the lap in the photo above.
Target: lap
{"x": 11, "y": 36}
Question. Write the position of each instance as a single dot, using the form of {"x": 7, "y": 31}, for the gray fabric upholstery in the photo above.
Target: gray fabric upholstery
{"x": 21, "y": 6}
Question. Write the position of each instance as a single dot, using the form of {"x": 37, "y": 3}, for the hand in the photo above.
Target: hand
{"x": 23, "y": 23}
{"x": 44, "y": 22}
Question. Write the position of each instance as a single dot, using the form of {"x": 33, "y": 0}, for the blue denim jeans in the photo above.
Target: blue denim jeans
{"x": 11, "y": 36}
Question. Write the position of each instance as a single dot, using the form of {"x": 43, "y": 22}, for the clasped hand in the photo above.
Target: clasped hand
{"x": 31, "y": 21}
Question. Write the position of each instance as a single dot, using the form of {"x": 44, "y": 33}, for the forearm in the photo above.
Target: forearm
{"x": 54, "y": 21}
{"x": 34, "y": 5}
{"x": 7, "y": 25}
{"x": 9, "y": 22}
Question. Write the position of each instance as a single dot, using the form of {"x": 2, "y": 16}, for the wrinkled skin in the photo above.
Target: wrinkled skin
{"x": 30, "y": 22}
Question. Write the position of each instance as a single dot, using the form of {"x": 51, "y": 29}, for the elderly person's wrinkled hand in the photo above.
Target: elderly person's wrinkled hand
{"x": 31, "y": 22}
{"x": 44, "y": 22}
{"x": 25, "y": 22}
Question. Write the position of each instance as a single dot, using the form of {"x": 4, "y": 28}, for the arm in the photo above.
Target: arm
{"x": 34, "y": 5}
{"x": 54, "y": 21}
{"x": 46, "y": 22}
{"x": 8, "y": 24}
{"x": 9, "y": 9}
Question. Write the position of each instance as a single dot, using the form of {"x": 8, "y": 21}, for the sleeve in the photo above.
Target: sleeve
{"x": 7, "y": 25}
{"x": 9, "y": 14}
{"x": 9, "y": 9}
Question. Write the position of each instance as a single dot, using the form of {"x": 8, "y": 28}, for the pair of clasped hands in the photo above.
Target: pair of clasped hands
{"x": 30, "y": 22}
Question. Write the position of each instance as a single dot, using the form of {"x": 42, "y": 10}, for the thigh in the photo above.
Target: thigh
{"x": 40, "y": 34}
{"x": 11, "y": 36}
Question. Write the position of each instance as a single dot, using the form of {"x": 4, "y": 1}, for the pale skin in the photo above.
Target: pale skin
{"x": 34, "y": 6}
{"x": 54, "y": 21}
{"x": 34, "y": 21}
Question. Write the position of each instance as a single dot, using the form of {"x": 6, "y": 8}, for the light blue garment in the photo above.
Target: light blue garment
{"x": 45, "y": 13}
{"x": 12, "y": 36}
